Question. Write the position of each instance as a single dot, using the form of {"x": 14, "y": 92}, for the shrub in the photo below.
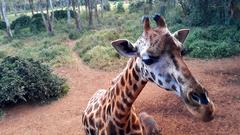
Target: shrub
{"x": 210, "y": 49}
{"x": 37, "y": 25}
{"x": 120, "y": 7}
{"x": 135, "y": 6}
{"x": 28, "y": 80}
{"x": 2, "y": 25}
{"x": 107, "y": 7}
{"x": 100, "y": 56}
{"x": 74, "y": 35}
{"x": 21, "y": 22}
{"x": 62, "y": 14}
{"x": 2, "y": 54}
{"x": 38, "y": 15}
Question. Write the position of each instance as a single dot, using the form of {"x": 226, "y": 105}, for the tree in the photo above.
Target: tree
{"x": 96, "y": 11}
{"x": 31, "y": 6}
{"x": 77, "y": 14}
{"x": 47, "y": 19}
{"x": 4, "y": 16}
{"x": 90, "y": 13}
{"x": 68, "y": 12}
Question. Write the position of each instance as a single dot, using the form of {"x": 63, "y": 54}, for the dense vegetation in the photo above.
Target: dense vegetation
{"x": 26, "y": 80}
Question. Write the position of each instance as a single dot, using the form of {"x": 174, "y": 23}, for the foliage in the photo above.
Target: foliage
{"x": 62, "y": 14}
{"x": 120, "y": 7}
{"x": 37, "y": 25}
{"x": 202, "y": 13}
{"x": 213, "y": 42}
{"x": 74, "y": 35}
{"x": 135, "y": 6}
{"x": 107, "y": 6}
{"x": 2, "y": 25}
{"x": 38, "y": 15}
{"x": 21, "y": 22}
{"x": 28, "y": 80}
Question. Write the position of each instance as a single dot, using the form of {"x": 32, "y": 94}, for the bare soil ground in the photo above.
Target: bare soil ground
{"x": 63, "y": 117}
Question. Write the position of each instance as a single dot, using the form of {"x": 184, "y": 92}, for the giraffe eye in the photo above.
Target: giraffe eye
{"x": 150, "y": 60}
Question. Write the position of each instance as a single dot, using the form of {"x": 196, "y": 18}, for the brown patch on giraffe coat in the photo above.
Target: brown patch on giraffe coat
{"x": 119, "y": 124}
{"x": 130, "y": 79}
{"x": 135, "y": 87}
{"x": 120, "y": 106}
{"x": 122, "y": 81}
{"x": 91, "y": 121}
{"x": 117, "y": 89}
{"x": 136, "y": 77}
{"x": 111, "y": 129}
{"x": 119, "y": 115}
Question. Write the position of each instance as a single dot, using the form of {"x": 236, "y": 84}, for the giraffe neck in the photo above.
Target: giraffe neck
{"x": 125, "y": 90}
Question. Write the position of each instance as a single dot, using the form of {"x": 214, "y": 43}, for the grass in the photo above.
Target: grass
{"x": 50, "y": 50}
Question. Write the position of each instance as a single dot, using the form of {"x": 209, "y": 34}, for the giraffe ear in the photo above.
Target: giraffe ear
{"x": 124, "y": 48}
{"x": 181, "y": 34}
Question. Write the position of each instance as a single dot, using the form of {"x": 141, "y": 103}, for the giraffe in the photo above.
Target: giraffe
{"x": 155, "y": 57}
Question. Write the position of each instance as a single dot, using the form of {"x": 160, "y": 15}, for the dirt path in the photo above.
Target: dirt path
{"x": 63, "y": 117}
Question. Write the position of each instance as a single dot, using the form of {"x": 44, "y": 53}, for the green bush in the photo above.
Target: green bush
{"x": 38, "y": 15}
{"x": 136, "y": 6}
{"x": 100, "y": 56}
{"x": 37, "y": 25}
{"x": 2, "y": 25}
{"x": 62, "y": 14}
{"x": 28, "y": 80}
{"x": 209, "y": 49}
{"x": 21, "y": 22}
{"x": 120, "y": 7}
{"x": 74, "y": 35}
{"x": 2, "y": 54}
{"x": 107, "y": 7}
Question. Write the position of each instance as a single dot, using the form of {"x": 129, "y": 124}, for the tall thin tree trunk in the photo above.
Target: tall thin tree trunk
{"x": 77, "y": 15}
{"x": 25, "y": 6}
{"x": 14, "y": 8}
{"x": 102, "y": 7}
{"x": 90, "y": 13}
{"x": 96, "y": 11}
{"x": 49, "y": 19}
{"x": 68, "y": 12}
{"x": 3, "y": 11}
{"x": 86, "y": 7}
{"x": 31, "y": 6}
{"x": 52, "y": 10}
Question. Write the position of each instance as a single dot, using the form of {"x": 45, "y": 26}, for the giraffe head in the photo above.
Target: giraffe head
{"x": 159, "y": 58}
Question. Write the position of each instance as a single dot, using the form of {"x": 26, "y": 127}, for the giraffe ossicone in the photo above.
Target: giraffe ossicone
{"x": 156, "y": 57}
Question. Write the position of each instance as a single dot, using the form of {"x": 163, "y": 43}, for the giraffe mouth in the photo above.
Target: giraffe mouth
{"x": 202, "y": 110}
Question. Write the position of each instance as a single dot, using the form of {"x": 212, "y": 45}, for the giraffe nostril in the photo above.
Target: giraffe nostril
{"x": 195, "y": 98}
{"x": 199, "y": 98}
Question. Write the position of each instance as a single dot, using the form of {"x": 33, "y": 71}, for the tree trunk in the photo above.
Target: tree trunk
{"x": 47, "y": 20}
{"x": 14, "y": 8}
{"x": 90, "y": 13}
{"x": 76, "y": 15}
{"x": 3, "y": 11}
{"x": 96, "y": 11}
{"x": 52, "y": 11}
{"x": 86, "y": 7}
{"x": 31, "y": 6}
{"x": 68, "y": 12}
{"x": 102, "y": 9}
